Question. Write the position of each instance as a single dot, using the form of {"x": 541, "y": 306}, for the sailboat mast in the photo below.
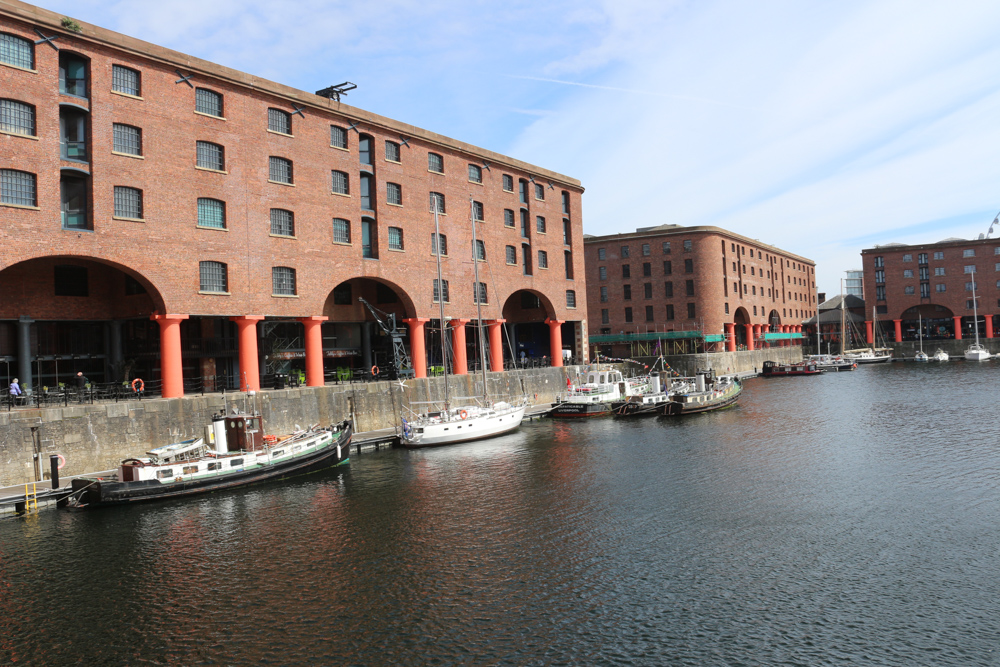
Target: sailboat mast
{"x": 975, "y": 313}
{"x": 841, "y": 317}
{"x": 479, "y": 301}
{"x": 444, "y": 354}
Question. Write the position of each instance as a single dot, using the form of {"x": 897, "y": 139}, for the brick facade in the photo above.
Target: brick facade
{"x": 162, "y": 251}
{"x": 929, "y": 283}
{"x": 716, "y": 277}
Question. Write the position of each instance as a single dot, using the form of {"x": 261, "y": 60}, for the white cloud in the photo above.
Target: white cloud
{"x": 819, "y": 127}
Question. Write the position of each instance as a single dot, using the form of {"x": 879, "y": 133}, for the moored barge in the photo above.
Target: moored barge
{"x": 710, "y": 393}
{"x": 240, "y": 455}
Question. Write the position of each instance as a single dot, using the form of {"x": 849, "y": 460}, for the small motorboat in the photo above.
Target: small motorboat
{"x": 940, "y": 355}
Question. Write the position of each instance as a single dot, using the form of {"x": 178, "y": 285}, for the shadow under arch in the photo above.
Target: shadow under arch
{"x": 527, "y": 335}
{"x": 77, "y": 313}
{"x": 359, "y": 342}
{"x": 30, "y": 287}
{"x": 741, "y": 317}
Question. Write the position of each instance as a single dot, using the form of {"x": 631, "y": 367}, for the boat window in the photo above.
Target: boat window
{"x": 280, "y": 452}
{"x": 603, "y": 377}
{"x": 235, "y": 462}
{"x": 255, "y": 424}
{"x": 190, "y": 470}
{"x": 296, "y": 448}
{"x": 163, "y": 474}
{"x": 232, "y": 424}
{"x": 239, "y": 424}
{"x": 214, "y": 465}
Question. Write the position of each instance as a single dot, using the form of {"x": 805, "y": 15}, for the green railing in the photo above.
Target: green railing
{"x": 653, "y": 335}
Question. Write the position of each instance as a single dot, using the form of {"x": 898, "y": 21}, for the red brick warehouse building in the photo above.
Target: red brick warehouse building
{"x": 704, "y": 285}
{"x": 931, "y": 285}
{"x": 168, "y": 217}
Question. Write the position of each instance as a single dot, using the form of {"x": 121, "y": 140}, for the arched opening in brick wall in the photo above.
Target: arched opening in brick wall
{"x": 741, "y": 317}
{"x": 938, "y": 323}
{"x": 774, "y": 322}
{"x": 525, "y": 312}
{"x": 352, "y": 339}
{"x": 68, "y": 314}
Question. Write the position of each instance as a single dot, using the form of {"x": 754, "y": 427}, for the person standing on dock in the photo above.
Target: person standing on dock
{"x": 15, "y": 391}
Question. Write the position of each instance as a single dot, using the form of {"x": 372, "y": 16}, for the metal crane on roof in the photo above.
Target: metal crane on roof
{"x": 387, "y": 322}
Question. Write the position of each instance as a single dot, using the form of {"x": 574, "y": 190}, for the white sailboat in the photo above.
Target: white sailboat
{"x": 479, "y": 417}
{"x": 976, "y": 352}
{"x": 920, "y": 355}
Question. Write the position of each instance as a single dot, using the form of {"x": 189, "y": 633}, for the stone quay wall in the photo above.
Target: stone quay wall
{"x": 724, "y": 363}
{"x": 97, "y": 437}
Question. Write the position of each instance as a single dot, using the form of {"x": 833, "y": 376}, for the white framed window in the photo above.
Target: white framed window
{"x": 392, "y": 151}
{"x": 210, "y": 156}
{"x": 17, "y": 51}
{"x": 395, "y": 238}
{"x": 341, "y": 231}
{"x": 214, "y": 277}
{"x": 208, "y": 102}
{"x": 17, "y": 118}
{"x": 211, "y": 213}
{"x": 18, "y": 188}
{"x": 128, "y": 202}
{"x": 341, "y": 183}
{"x": 435, "y": 163}
{"x": 126, "y": 80}
{"x": 283, "y": 281}
{"x": 282, "y": 222}
{"x": 126, "y": 139}
{"x": 338, "y": 136}
{"x": 279, "y": 121}
{"x": 279, "y": 170}
{"x": 394, "y": 193}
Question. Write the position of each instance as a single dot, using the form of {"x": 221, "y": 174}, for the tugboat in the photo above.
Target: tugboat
{"x": 594, "y": 397}
{"x": 241, "y": 454}
{"x": 652, "y": 396}
{"x": 773, "y": 369}
{"x": 710, "y": 393}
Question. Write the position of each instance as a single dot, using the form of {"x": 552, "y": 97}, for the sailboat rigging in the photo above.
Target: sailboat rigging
{"x": 976, "y": 351}
{"x": 482, "y": 419}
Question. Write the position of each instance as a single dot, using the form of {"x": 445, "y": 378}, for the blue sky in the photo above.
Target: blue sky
{"x": 820, "y": 127}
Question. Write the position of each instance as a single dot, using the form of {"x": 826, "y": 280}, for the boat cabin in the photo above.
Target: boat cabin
{"x": 244, "y": 433}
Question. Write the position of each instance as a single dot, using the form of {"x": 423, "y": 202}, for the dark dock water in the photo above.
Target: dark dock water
{"x": 842, "y": 519}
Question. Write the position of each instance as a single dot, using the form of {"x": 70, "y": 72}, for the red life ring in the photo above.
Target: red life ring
{"x": 142, "y": 385}
{"x": 463, "y": 414}
{"x": 62, "y": 461}
{"x": 374, "y": 371}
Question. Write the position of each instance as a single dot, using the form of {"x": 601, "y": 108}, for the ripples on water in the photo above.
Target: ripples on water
{"x": 841, "y": 519}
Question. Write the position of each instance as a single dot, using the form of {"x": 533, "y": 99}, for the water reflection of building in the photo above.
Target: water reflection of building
{"x": 177, "y": 220}
{"x": 932, "y": 285}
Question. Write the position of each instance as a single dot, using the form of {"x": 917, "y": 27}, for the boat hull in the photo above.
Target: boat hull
{"x": 676, "y": 408}
{"x": 578, "y": 410}
{"x": 448, "y": 433}
{"x": 635, "y": 409}
{"x": 99, "y": 492}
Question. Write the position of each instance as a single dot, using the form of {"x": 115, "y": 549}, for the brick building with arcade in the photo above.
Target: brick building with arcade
{"x": 931, "y": 285}
{"x": 701, "y": 288}
{"x": 172, "y": 219}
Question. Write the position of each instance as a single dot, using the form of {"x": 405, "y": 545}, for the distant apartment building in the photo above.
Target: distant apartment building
{"x": 854, "y": 284}
{"x": 705, "y": 285}
{"x": 931, "y": 285}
